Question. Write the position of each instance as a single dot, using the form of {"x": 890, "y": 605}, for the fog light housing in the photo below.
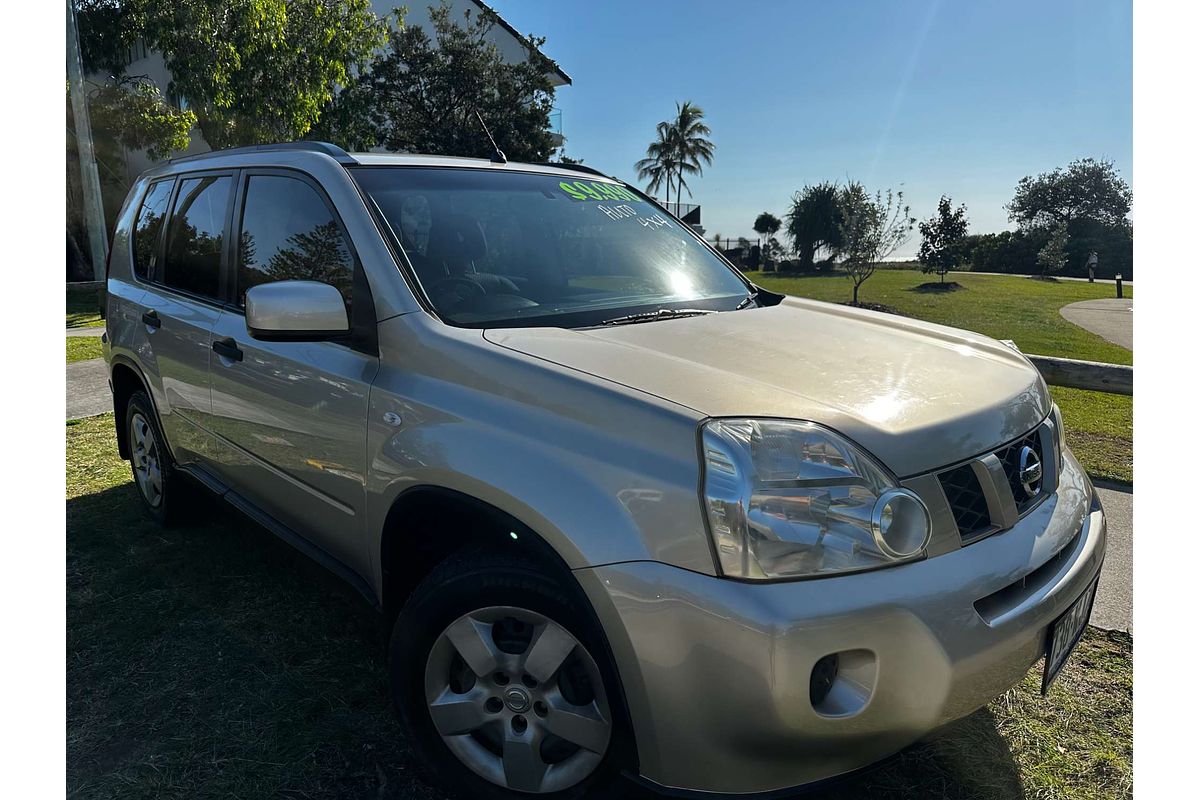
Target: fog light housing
{"x": 824, "y": 673}
{"x": 900, "y": 524}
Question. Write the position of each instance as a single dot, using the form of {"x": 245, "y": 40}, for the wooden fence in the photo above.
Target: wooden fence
{"x": 1091, "y": 375}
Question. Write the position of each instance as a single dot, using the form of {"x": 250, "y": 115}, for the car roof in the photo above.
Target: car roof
{"x": 292, "y": 153}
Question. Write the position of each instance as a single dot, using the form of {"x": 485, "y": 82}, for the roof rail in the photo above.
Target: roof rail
{"x": 331, "y": 150}
{"x": 576, "y": 168}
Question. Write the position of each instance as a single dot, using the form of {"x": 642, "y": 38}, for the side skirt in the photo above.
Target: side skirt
{"x": 317, "y": 554}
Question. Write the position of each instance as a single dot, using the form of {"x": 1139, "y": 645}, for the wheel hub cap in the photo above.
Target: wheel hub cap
{"x": 518, "y": 699}
{"x": 146, "y": 467}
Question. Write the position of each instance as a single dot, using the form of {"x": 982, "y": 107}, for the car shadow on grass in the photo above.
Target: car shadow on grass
{"x": 212, "y": 660}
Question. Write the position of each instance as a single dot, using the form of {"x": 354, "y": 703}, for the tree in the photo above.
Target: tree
{"x": 814, "y": 221}
{"x": 690, "y": 143}
{"x": 135, "y": 114}
{"x": 423, "y": 94}
{"x": 942, "y": 237}
{"x": 872, "y": 229}
{"x": 1053, "y": 256}
{"x": 682, "y": 147}
{"x": 1086, "y": 189}
{"x": 767, "y": 225}
{"x": 251, "y": 70}
{"x": 659, "y": 164}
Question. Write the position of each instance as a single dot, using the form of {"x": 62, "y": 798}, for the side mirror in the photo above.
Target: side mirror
{"x": 298, "y": 311}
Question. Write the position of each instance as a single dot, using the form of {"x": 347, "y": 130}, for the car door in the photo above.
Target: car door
{"x": 182, "y": 303}
{"x": 290, "y": 416}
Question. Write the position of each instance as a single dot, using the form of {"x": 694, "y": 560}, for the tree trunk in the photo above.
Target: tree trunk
{"x": 806, "y": 255}
{"x": 856, "y": 285}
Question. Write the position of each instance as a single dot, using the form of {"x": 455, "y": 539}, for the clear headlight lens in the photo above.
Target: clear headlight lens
{"x": 1060, "y": 435}
{"x": 788, "y": 499}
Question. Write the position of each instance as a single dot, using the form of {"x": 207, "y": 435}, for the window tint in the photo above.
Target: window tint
{"x": 288, "y": 233}
{"x": 193, "y": 260}
{"x": 147, "y": 231}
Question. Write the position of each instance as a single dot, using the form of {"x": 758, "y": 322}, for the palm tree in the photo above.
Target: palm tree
{"x": 658, "y": 165}
{"x": 689, "y": 144}
{"x": 682, "y": 148}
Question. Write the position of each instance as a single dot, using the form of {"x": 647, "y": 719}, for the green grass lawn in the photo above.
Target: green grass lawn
{"x": 83, "y": 308}
{"x": 1099, "y": 431}
{"x": 1099, "y": 426}
{"x": 213, "y": 661}
{"x": 81, "y": 348}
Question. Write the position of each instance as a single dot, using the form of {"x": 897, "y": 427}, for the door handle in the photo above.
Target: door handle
{"x": 150, "y": 318}
{"x": 227, "y": 348}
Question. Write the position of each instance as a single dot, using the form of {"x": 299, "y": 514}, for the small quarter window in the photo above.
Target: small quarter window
{"x": 288, "y": 233}
{"x": 148, "y": 230}
{"x": 196, "y": 235}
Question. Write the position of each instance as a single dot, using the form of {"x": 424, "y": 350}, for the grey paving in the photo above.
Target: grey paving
{"x": 1114, "y": 596}
{"x": 1106, "y": 281}
{"x": 87, "y": 389}
{"x": 1111, "y": 319}
{"x": 99, "y": 331}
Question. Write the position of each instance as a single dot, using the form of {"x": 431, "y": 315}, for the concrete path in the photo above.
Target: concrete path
{"x": 85, "y": 331}
{"x": 87, "y": 389}
{"x": 1113, "y": 609}
{"x": 1110, "y": 319}
{"x": 1106, "y": 281}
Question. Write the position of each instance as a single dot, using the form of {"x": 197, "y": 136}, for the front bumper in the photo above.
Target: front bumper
{"x": 716, "y": 672}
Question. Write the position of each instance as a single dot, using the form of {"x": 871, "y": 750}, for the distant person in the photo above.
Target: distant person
{"x": 1093, "y": 263}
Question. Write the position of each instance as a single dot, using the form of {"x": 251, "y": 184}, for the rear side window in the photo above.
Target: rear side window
{"x": 196, "y": 235}
{"x": 288, "y": 233}
{"x": 148, "y": 229}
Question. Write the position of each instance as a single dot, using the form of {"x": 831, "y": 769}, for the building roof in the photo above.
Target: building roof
{"x": 522, "y": 38}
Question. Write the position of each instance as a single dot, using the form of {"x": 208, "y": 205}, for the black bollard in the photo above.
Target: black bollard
{"x": 1120, "y": 288}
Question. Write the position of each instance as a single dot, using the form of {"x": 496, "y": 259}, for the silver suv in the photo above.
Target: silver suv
{"x": 631, "y": 517}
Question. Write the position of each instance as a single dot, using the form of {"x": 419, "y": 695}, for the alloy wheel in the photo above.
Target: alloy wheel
{"x": 147, "y": 464}
{"x": 518, "y": 699}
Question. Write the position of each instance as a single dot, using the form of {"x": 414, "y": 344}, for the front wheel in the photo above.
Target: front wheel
{"x": 496, "y": 669}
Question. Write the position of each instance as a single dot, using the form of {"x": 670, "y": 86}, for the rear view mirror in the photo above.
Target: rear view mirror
{"x": 295, "y": 311}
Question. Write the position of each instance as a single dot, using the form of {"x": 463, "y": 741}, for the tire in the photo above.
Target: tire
{"x": 501, "y": 610}
{"x": 154, "y": 476}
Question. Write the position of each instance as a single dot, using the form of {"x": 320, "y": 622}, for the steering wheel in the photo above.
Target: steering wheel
{"x": 473, "y": 288}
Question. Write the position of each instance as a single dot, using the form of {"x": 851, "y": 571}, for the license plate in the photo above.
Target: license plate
{"x": 1064, "y": 634}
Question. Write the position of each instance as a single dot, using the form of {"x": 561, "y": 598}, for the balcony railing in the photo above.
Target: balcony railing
{"x": 688, "y": 212}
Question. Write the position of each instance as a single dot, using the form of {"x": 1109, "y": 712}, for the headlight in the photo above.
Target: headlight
{"x": 791, "y": 499}
{"x": 1060, "y": 435}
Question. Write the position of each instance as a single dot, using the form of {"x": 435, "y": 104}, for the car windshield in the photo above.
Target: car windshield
{"x": 497, "y": 248}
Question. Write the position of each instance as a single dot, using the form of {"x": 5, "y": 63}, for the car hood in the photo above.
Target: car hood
{"x": 916, "y": 395}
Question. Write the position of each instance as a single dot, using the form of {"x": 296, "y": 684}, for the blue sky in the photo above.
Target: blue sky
{"x": 961, "y": 97}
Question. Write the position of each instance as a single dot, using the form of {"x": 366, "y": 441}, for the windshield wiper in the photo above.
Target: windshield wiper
{"x": 750, "y": 298}
{"x": 662, "y": 313}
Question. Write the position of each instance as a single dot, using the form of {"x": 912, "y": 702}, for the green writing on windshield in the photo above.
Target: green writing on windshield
{"x": 591, "y": 190}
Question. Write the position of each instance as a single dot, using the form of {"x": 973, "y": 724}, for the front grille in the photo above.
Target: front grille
{"x": 1010, "y": 457}
{"x": 965, "y": 485}
{"x": 966, "y": 499}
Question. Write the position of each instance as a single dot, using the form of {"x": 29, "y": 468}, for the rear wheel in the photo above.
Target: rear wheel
{"x": 494, "y": 668}
{"x": 153, "y": 471}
